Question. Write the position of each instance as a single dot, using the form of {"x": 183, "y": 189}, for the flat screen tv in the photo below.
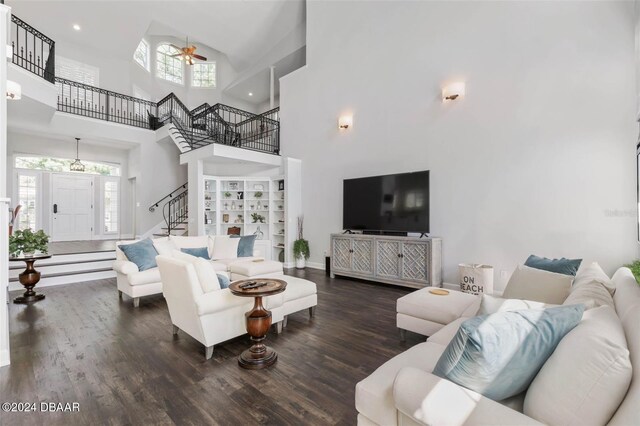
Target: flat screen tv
{"x": 392, "y": 203}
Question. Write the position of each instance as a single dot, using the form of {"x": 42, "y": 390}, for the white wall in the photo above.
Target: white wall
{"x": 538, "y": 158}
{"x": 20, "y": 143}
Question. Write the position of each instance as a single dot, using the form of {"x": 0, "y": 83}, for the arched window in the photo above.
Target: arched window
{"x": 168, "y": 67}
{"x": 141, "y": 55}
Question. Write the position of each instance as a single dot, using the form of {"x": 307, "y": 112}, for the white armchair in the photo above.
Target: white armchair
{"x": 131, "y": 281}
{"x": 212, "y": 317}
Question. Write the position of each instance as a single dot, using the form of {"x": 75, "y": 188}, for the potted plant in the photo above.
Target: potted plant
{"x": 257, "y": 218}
{"x": 227, "y": 194}
{"x": 301, "y": 247}
{"x": 27, "y": 242}
{"x": 258, "y": 194}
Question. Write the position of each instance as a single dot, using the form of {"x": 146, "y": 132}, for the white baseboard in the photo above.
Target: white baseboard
{"x": 5, "y": 358}
{"x": 315, "y": 265}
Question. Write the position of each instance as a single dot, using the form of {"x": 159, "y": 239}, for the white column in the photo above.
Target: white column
{"x": 196, "y": 197}
{"x": 272, "y": 86}
{"x": 5, "y": 21}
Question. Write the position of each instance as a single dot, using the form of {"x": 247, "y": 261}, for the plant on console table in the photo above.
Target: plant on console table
{"x": 257, "y": 218}
{"x": 301, "y": 250}
{"x": 27, "y": 242}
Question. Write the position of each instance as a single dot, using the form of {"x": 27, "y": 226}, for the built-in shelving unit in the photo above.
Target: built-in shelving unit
{"x": 245, "y": 206}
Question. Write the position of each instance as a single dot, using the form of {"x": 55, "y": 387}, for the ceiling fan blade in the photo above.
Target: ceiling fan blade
{"x": 202, "y": 58}
{"x": 175, "y": 47}
{"x": 176, "y": 55}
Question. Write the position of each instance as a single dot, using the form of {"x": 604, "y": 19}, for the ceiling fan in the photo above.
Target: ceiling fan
{"x": 187, "y": 53}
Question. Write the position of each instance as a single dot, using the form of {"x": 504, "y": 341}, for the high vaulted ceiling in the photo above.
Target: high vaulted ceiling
{"x": 243, "y": 30}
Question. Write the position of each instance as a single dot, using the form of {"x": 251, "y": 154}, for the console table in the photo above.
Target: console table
{"x": 406, "y": 261}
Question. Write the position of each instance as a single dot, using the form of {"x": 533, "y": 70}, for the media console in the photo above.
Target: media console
{"x": 406, "y": 261}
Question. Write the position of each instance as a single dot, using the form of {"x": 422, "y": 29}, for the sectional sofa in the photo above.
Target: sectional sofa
{"x": 592, "y": 377}
{"x": 136, "y": 284}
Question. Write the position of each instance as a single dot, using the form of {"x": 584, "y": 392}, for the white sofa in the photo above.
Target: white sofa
{"x": 217, "y": 316}
{"x": 403, "y": 391}
{"x": 136, "y": 284}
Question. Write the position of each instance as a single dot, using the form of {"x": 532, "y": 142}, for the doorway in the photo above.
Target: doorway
{"x": 72, "y": 207}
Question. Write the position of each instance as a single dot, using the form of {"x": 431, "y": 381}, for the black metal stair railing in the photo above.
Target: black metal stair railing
{"x": 32, "y": 50}
{"x": 176, "y": 212}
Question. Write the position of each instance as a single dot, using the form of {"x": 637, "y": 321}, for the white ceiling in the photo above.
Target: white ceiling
{"x": 242, "y": 29}
{"x": 258, "y": 84}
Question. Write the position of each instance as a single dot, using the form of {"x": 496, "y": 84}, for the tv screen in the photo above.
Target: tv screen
{"x": 387, "y": 203}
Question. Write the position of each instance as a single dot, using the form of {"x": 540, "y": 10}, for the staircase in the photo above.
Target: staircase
{"x": 67, "y": 269}
{"x": 175, "y": 212}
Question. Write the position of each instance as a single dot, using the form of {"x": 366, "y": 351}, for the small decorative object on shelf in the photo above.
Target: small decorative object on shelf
{"x": 227, "y": 194}
{"x": 252, "y": 206}
{"x": 257, "y": 218}
{"x": 258, "y": 187}
{"x": 301, "y": 246}
{"x": 233, "y": 230}
{"x": 259, "y": 206}
{"x": 265, "y": 206}
{"x": 259, "y": 234}
{"x": 233, "y": 205}
{"x": 258, "y": 194}
{"x": 225, "y": 218}
{"x": 239, "y": 219}
{"x": 240, "y": 206}
{"x": 226, "y": 206}
{"x": 280, "y": 207}
{"x": 281, "y": 185}
{"x": 27, "y": 243}
{"x": 240, "y": 195}
{"x": 234, "y": 186}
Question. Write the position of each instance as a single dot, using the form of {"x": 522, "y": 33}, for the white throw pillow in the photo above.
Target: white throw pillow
{"x": 491, "y": 305}
{"x": 225, "y": 247}
{"x": 586, "y": 377}
{"x": 591, "y": 294}
{"x": 204, "y": 270}
{"x": 594, "y": 272}
{"x": 538, "y": 285}
{"x": 164, "y": 246}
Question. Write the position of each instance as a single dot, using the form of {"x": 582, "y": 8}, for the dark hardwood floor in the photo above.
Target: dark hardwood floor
{"x": 123, "y": 366}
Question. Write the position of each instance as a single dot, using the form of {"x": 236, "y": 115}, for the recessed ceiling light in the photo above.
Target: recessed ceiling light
{"x": 76, "y": 27}
{"x": 250, "y": 94}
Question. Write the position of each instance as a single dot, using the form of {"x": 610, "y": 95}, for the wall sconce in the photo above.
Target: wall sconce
{"x": 345, "y": 122}
{"x": 453, "y": 91}
{"x": 14, "y": 90}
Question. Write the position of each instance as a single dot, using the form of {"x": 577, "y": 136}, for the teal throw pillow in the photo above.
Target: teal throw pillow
{"x": 245, "y": 246}
{"x": 202, "y": 252}
{"x": 142, "y": 253}
{"x": 223, "y": 280}
{"x": 559, "y": 266}
{"x": 499, "y": 355}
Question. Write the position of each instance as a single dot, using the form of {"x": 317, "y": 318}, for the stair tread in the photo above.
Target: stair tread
{"x": 62, "y": 274}
{"x": 75, "y": 262}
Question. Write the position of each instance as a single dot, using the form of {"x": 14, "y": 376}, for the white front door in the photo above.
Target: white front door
{"x": 71, "y": 207}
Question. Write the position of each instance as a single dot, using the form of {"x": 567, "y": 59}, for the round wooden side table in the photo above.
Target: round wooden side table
{"x": 29, "y": 278}
{"x": 258, "y": 355}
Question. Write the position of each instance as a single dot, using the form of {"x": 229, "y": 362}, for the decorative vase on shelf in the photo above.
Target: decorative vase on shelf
{"x": 259, "y": 234}
{"x": 259, "y": 205}
{"x": 233, "y": 205}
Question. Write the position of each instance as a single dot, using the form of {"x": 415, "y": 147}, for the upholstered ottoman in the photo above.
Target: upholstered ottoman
{"x": 425, "y": 313}
{"x": 250, "y": 269}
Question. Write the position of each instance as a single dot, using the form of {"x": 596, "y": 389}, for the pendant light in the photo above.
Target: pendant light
{"x": 77, "y": 165}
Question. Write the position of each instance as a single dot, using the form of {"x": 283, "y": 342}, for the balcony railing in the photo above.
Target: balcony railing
{"x": 94, "y": 102}
{"x": 32, "y": 50}
{"x": 201, "y": 126}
